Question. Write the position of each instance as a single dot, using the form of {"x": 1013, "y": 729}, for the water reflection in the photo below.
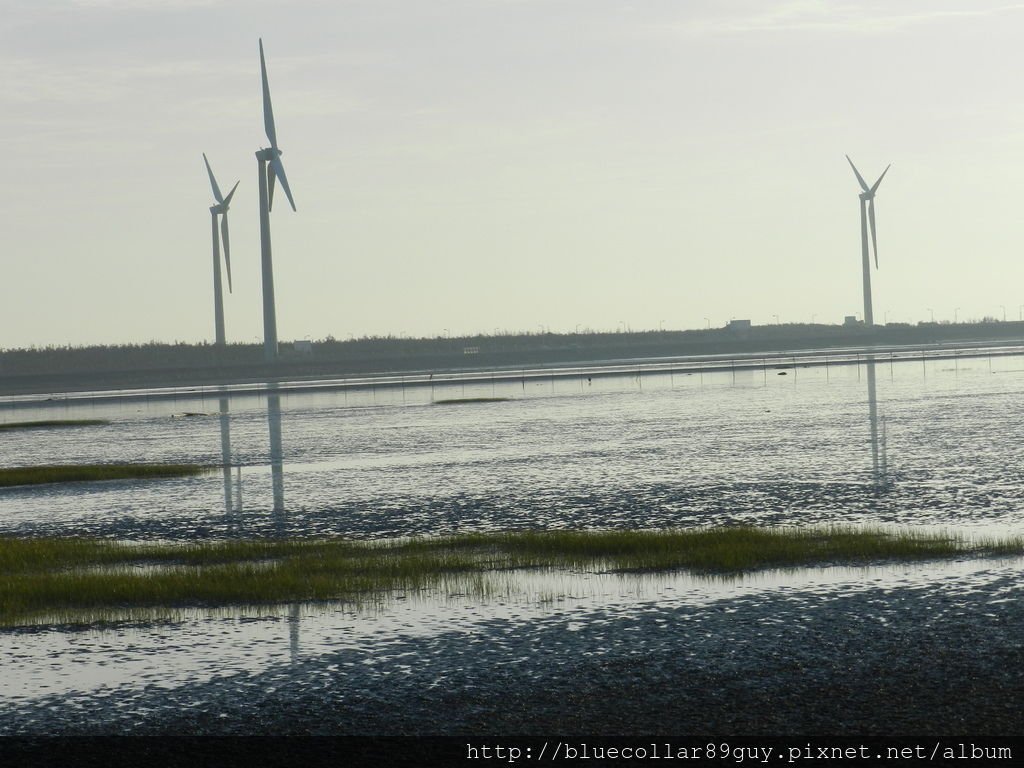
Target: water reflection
{"x": 233, "y": 490}
{"x": 277, "y": 483}
{"x": 293, "y": 631}
{"x": 606, "y": 458}
{"x": 276, "y": 454}
{"x": 225, "y": 452}
{"x": 879, "y": 464}
{"x": 233, "y": 485}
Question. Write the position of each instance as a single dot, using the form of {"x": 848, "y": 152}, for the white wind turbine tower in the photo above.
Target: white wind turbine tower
{"x": 867, "y": 213}
{"x": 270, "y": 168}
{"x": 220, "y": 209}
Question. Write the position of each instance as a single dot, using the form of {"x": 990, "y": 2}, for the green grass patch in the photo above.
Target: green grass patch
{"x": 52, "y": 424}
{"x": 467, "y": 400}
{"x": 71, "y": 473}
{"x": 86, "y": 580}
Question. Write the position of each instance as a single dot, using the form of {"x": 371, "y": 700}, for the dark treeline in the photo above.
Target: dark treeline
{"x": 55, "y": 369}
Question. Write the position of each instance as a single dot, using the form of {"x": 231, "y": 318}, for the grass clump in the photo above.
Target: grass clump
{"x": 730, "y": 549}
{"x": 70, "y": 473}
{"x": 80, "y": 579}
{"x": 52, "y": 424}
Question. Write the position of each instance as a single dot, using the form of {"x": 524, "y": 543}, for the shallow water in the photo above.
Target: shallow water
{"x": 753, "y": 446}
{"x": 653, "y": 451}
{"x": 125, "y": 661}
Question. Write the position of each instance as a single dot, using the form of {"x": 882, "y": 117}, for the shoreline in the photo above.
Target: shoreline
{"x": 114, "y": 389}
{"x": 185, "y": 366}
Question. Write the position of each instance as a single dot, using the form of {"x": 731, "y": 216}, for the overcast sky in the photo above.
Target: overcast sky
{"x": 470, "y": 166}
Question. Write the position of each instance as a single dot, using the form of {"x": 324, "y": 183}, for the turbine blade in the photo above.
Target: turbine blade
{"x": 875, "y": 187}
{"x": 227, "y": 200}
{"x": 871, "y": 220}
{"x": 213, "y": 182}
{"x": 271, "y": 176}
{"x": 268, "y": 109}
{"x": 227, "y": 245}
{"x": 278, "y": 167}
{"x": 863, "y": 184}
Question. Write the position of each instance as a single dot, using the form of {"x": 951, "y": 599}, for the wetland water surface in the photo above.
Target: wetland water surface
{"x": 794, "y": 446}
{"x": 698, "y": 449}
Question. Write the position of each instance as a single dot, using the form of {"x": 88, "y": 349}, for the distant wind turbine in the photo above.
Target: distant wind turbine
{"x": 867, "y": 213}
{"x": 270, "y": 169}
{"x": 220, "y": 209}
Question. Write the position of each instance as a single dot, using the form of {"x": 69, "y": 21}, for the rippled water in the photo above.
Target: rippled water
{"x": 131, "y": 674}
{"x": 698, "y": 449}
{"x": 763, "y": 446}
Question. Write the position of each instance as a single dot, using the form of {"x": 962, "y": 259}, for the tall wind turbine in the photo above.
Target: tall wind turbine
{"x": 220, "y": 209}
{"x": 867, "y": 213}
{"x": 270, "y": 168}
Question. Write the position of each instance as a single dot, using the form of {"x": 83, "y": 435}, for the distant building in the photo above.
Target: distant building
{"x": 739, "y": 328}
{"x": 303, "y": 347}
{"x": 471, "y": 350}
{"x": 851, "y": 320}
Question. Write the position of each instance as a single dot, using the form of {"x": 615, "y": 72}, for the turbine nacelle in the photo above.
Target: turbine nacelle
{"x": 224, "y": 205}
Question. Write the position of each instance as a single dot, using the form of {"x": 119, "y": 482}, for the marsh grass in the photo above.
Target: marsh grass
{"x": 53, "y": 424}
{"x": 733, "y": 549}
{"x": 82, "y": 579}
{"x": 69, "y": 473}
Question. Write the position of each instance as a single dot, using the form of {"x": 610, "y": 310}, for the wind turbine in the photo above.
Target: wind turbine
{"x": 220, "y": 209}
{"x": 867, "y": 213}
{"x": 270, "y": 169}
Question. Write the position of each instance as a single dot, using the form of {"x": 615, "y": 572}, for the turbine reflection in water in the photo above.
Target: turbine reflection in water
{"x": 879, "y": 462}
{"x": 276, "y": 456}
{"x": 277, "y": 480}
{"x": 233, "y": 486}
{"x": 293, "y": 631}
{"x": 225, "y": 453}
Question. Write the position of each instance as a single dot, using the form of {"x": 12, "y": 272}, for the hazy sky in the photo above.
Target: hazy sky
{"x": 482, "y": 165}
